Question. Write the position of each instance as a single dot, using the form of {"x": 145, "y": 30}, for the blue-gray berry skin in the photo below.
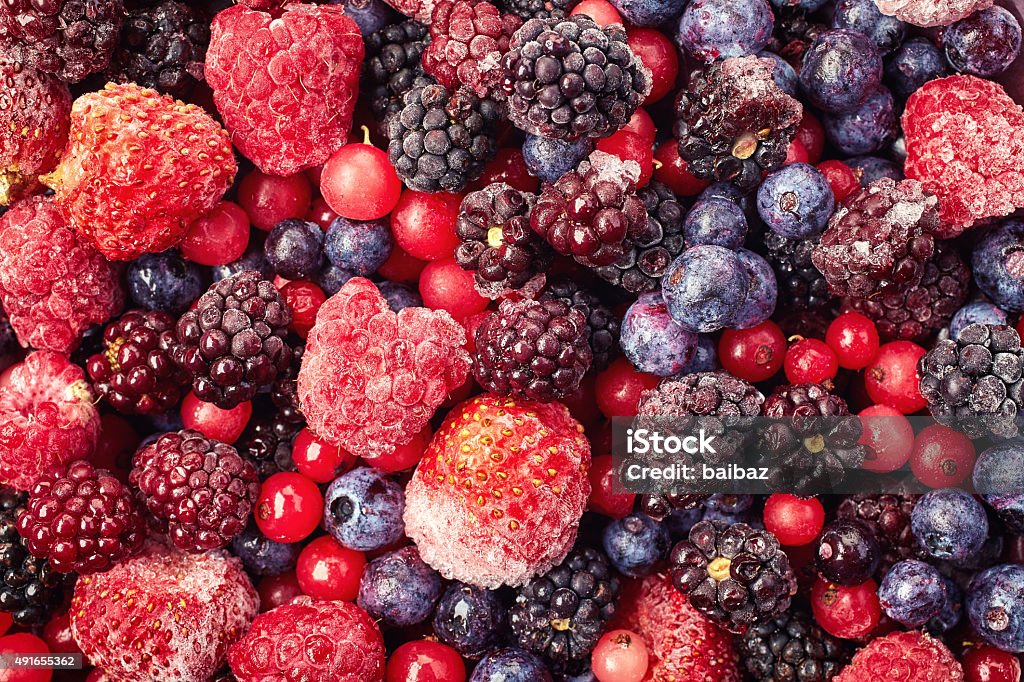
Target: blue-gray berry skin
{"x": 359, "y": 247}
{"x": 331, "y": 278}
{"x": 952, "y": 609}
{"x": 399, "y": 588}
{"x": 399, "y": 296}
{"x": 805, "y": 5}
{"x": 783, "y": 74}
{"x": 885, "y": 32}
{"x": 984, "y": 43}
{"x": 867, "y": 129}
{"x": 369, "y": 15}
{"x": 648, "y": 12}
{"x": 979, "y": 312}
{"x": 715, "y": 222}
{"x": 680, "y": 521}
{"x": 913, "y": 64}
{"x": 949, "y": 524}
{"x": 705, "y": 357}
{"x": 796, "y": 201}
{"x": 840, "y": 70}
{"x": 912, "y": 593}
{"x": 999, "y": 478}
{"x": 996, "y": 263}
{"x": 550, "y": 159}
{"x": 704, "y": 288}
{"x": 469, "y": 619}
{"x": 995, "y": 606}
{"x": 363, "y": 509}
{"x": 294, "y": 248}
{"x": 762, "y": 292}
{"x": 652, "y": 341}
{"x": 510, "y": 665}
{"x": 719, "y": 29}
{"x": 164, "y": 281}
{"x": 635, "y": 544}
{"x": 262, "y": 556}
{"x": 874, "y": 167}
{"x": 252, "y": 259}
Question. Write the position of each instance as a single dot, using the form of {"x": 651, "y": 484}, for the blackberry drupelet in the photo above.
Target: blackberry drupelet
{"x": 562, "y": 614}
{"x": 440, "y": 140}
{"x": 392, "y": 66}
{"x": 793, "y": 33}
{"x": 233, "y": 342}
{"x": 975, "y": 381}
{"x": 733, "y": 121}
{"x": 640, "y": 269}
{"x": 570, "y": 78}
{"x": 736, "y": 575}
{"x": 284, "y": 392}
{"x": 602, "y": 324}
{"x": 162, "y": 47}
{"x": 267, "y": 441}
{"x": 791, "y": 647}
{"x": 538, "y": 9}
{"x": 888, "y": 516}
{"x": 532, "y": 349}
{"x": 801, "y": 285}
{"x": 135, "y": 371}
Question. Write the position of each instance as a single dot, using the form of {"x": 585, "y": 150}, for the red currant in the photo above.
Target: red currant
{"x": 425, "y": 661}
{"x": 268, "y": 199}
{"x": 275, "y": 590}
{"x": 446, "y": 286}
{"x": 892, "y": 379}
{"x": 846, "y": 612}
{"x": 671, "y": 169}
{"x": 603, "y": 498}
{"x": 796, "y": 153}
{"x": 25, "y": 644}
{"x": 218, "y": 237}
{"x": 214, "y": 422}
{"x": 304, "y": 300}
{"x": 619, "y": 387}
{"x": 326, "y": 570}
{"x": 630, "y": 146}
{"x": 359, "y": 182}
{"x": 841, "y": 178}
{"x": 401, "y": 267}
{"x": 507, "y": 166}
{"x": 984, "y": 663}
{"x": 642, "y": 124}
{"x": 424, "y": 224}
{"x": 754, "y": 354}
{"x": 854, "y": 339}
{"x": 793, "y": 520}
{"x": 620, "y": 656}
{"x": 942, "y": 457}
{"x": 318, "y": 460}
{"x": 810, "y": 361}
{"x": 889, "y": 438}
{"x": 289, "y": 507}
{"x": 601, "y": 11}
{"x": 812, "y": 136}
{"x": 320, "y": 213}
{"x": 658, "y": 54}
{"x": 404, "y": 456}
{"x": 58, "y": 636}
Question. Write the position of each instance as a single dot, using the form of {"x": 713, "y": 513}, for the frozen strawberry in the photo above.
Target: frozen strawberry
{"x": 312, "y": 641}
{"x": 163, "y": 616}
{"x": 498, "y": 495}
{"x": 371, "y": 379}
{"x": 47, "y": 419}
{"x": 289, "y": 103}
{"x": 903, "y": 657}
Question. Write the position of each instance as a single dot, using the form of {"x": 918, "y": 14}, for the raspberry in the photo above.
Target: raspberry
{"x": 36, "y": 116}
{"x": 420, "y": 10}
{"x": 178, "y": 158}
{"x": 289, "y": 105}
{"x": 931, "y": 12}
{"x": 310, "y": 640}
{"x": 53, "y": 283}
{"x": 370, "y": 378}
{"x": 498, "y": 495}
{"x": 176, "y": 613}
{"x": 99, "y": 511}
{"x": 467, "y": 42}
{"x": 47, "y": 419}
{"x": 203, "y": 490}
{"x": 965, "y": 143}
{"x": 903, "y": 657}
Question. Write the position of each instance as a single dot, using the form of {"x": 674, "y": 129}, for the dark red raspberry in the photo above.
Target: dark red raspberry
{"x": 82, "y": 521}
{"x": 202, "y": 489}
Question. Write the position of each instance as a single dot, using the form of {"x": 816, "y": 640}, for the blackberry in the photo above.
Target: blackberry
{"x": 793, "y": 33}
{"x": 284, "y": 392}
{"x": 537, "y": 350}
{"x": 879, "y": 239}
{"x": 570, "y": 78}
{"x": 202, "y": 491}
{"x": 497, "y": 242}
{"x": 975, "y": 381}
{"x": 30, "y": 589}
{"x": 733, "y": 121}
{"x": 392, "y": 66}
{"x": 135, "y": 372}
{"x": 791, "y": 647}
{"x": 801, "y": 285}
{"x": 640, "y": 268}
{"x": 538, "y": 9}
{"x": 162, "y": 47}
{"x": 233, "y": 342}
{"x": 602, "y": 324}
{"x": 440, "y": 140}
{"x": 736, "y": 575}
{"x": 267, "y": 441}
{"x": 100, "y": 512}
{"x": 562, "y": 614}
{"x": 888, "y": 517}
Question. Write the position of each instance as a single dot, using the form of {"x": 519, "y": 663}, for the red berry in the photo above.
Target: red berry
{"x": 507, "y": 166}
{"x": 841, "y": 178}
{"x": 984, "y": 663}
{"x": 6, "y": 621}
{"x": 854, "y": 339}
{"x": 810, "y": 361}
{"x": 319, "y": 460}
{"x": 888, "y": 436}
{"x": 601, "y": 11}
{"x": 630, "y": 146}
{"x": 812, "y": 136}
{"x": 603, "y": 499}
{"x": 359, "y": 182}
{"x": 793, "y": 520}
{"x": 25, "y": 644}
{"x": 619, "y": 388}
{"x": 673, "y": 171}
{"x": 269, "y": 199}
{"x": 289, "y": 507}
{"x": 620, "y": 656}
{"x": 754, "y": 354}
{"x": 319, "y": 212}
{"x": 218, "y": 237}
{"x": 891, "y": 378}
{"x": 942, "y": 457}
{"x": 796, "y": 153}
{"x": 642, "y": 124}
{"x": 326, "y": 570}
{"x": 275, "y": 590}
{"x": 303, "y": 299}
{"x": 425, "y": 661}
{"x": 846, "y": 612}
{"x": 446, "y": 286}
{"x": 401, "y": 267}
{"x": 58, "y": 636}
{"x": 114, "y": 451}
{"x": 213, "y": 422}
{"x": 424, "y": 224}
{"x": 408, "y": 455}
{"x": 658, "y": 54}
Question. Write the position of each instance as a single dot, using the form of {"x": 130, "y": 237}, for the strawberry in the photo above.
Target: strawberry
{"x": 498, "y": 495}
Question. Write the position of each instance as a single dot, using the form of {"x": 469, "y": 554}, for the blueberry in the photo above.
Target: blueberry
{"x": 949, "y": 524}
{"x": 369, "y": 15}
{"x": 252, "y": 259}
{"x": 718, "y": 29}
{"x": 805, "y": 5}
{"x": 262, "y": 556}
{"x": 294, "y": 249}
{"x": 796, "y": 201}
{"x": 510, "y": 665}
{"x": 680, "y": 521}
{"x": 952, "y": 609}
{"x": 873, "y": 167}
{"x": 996, "y": 263}
{"x": 866, "y": 129}
{"x": 979, "y": 312}
{"x": 705, "y": 358}
{"x": 550, "y": 159}
{"x": 999, "y": 477}
{"x": 400, "y": 296}
{"x": 730, "y": 504}
{"x": 913, "y": 64}
{"x": 729, "y": 191}
{"x": 885, "y": 32}
{"x": 983, "y": 44}
{"x": 716, "y": 222}
{"x": 652, "y": 341}
{"x": 995, "y": 606}
{"x": 912, "y": 593}
{"x": 469, "y": 619}
{"x": 762, "y": 291}
{"x": 635, "y": 544}
{"x": 840, "y": 70}
{"x": 705, "y": 287}
{"x": 359, "y": 247}
{"x": 332, "y": 278}
{"x": 164, "y": 281}
{"x": 363, "y": 509}
{"x": 399, "y": 588}
{"x": 648, "y": 12}
{"x": 784, "y": 74}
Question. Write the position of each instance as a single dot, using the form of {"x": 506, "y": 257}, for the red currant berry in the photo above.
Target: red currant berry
{"x": 754, "y": 354}
{"x": 888, "y": 436}
{"x": 268, "y": 199}
{"x": 658, "y": 54}
{"x": 507, "y": 166}
{"x": 846, "y": 612}
{"x": 841, "y": 178}
{"x": 218, "y": 237}
{"x": 304, "y": 300}
{"x": 984, "y": 663}
{"x": 620, "y": 656}
{"x": 289, "y": 507}
{"x": 892, "y": 379}
{"x": 796, "y": 153}
{"x": 318, "y": 460}
{"x": 642, "y": 124}
{"x": 424, "y": 224}
{"x": 213, "y": 422}
{"x": 401, "y": 267}
{"x": 326, "y": 570}
{"x": 629, "y": 146}
{"x": 359, "y": 182}
{"x": 320, "y": 213}
{"x": 942, "y": 457}
{"x": 812, "y": 136}
{"x": 404, "y": 456}
{"x": 27, "y": 645}
{"x": 601, "y": 11}
{"x": 619, "y": 387}
{"x": 793, "y": 520}
{"x": 673, "y": 171}
{"x": 603, "y": 498}
{"x": 58, "y": 636}
{"x": 854, "y": 339}
{"x": 446, "y": 286}
{"x": 810, "y": 361}
{"x": 425, "y": 661}
{"x": 275, "y": 590}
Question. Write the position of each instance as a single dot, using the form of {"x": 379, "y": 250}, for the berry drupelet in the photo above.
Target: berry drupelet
{"x": 791, "y": 647}
{"x": 602, "y": 324}
{"x": 801, "y": 285}
{"x": 538, "y": 9}
{"x": 233, "y": 342}
{"x": 392, "y": 66}
{"x": 888, "y": 517}
{"x": 267, "y": 441}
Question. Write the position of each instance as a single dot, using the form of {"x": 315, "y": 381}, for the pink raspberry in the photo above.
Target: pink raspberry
{"x": 903, "y": 657}
{"x": 931, "y": 12}
{"x": 47, "y": 419}
{"x": 285, "y": 85}
{"x": 313, "y": 641}
{"x": 965, "y": 143}
{"x": 371, "y": 379}
{"x": 53, "y": 283}
{"x": 420, "y": 10}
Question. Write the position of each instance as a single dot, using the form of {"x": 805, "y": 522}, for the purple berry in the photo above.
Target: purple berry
{"x": 164, "y": 281}
{"x": 719, "y": 29}
{"x": 840, "y": 70}
{"x": 914, "y": 63}
{"x": 996, "y": 265}
{"x": 469, "y": 619}
{"x": 979, "y": 312}
{"x": 885, "y": 32}
{"x": 912, "y": 593}
{"x": 294, "y": 248}
{"x": 865, "y": 130}
{"x": 983, "y": 44}
{"x": 359, "y": 247}
{"x": 262, "y": 556}
{"x": 949, "y": 524}
{"x": 795, "y": 201}
{"x": 399, "y": 588}
{"x": 999, "y": 477}
{"x": 995, "y": 606}
{"x": 363, "y": 509}
{"x": 510, "y": 665}
{"x": 550, "y": 159}
{"x": 652, "y": 341}
{"x": 705, "y": 287}
{"x": 762, "y": 292}
{"x": 715, "y": 222}
{"x": 635, "y": 544}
